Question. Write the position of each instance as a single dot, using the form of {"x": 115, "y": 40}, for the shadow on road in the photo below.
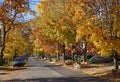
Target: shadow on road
{"x": 4, "y": 73}
{"x": 70, "y": 79}
{"x": 12, "y": 69}
{"x": 52, "y": 65}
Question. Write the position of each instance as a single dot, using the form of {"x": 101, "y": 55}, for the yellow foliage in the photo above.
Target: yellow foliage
{"x": 15, "y": 41}
{"x": 7, "y": 55}
{"x": 79, "y": 18}
{"x": 105, "y": 52}
{"x": 38, "y": 10}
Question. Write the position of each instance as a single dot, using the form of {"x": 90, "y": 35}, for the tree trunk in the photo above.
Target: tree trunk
{"x": 85, "y": 52}
{"x": 58, "y": 54}
{"x": 115, "y": 59}
{"x": 15, "y": 55}
{"x": 3, "y": 45}
{"x": 1, "y": 56}
{"x": 63, "y": 52}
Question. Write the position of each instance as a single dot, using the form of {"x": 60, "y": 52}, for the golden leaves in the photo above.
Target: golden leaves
{"x": 75, "y": 19}
{"x": 15, "y": 41}
{"x": 39, "y": 8}
{"x": 105, "y": 52}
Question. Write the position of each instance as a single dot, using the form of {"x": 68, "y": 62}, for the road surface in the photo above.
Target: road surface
{"x": 42, "y": 71}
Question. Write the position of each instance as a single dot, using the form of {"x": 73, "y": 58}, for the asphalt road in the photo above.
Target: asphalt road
{"x": 42, "y": 71}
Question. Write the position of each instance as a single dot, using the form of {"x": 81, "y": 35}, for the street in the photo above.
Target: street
{"x": 42, "y": 71}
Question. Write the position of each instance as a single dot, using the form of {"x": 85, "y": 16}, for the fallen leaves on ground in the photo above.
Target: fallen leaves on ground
{"x": 6, "y": 73}
{"x": 102, "y": 71}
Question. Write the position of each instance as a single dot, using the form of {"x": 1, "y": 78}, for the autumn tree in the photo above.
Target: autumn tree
{"x": 49, "y": 18}
{"x": 59, "y": 21}
{"x": 10, "y": 12}
{"x": 63, "y": 19}
{"x": 108, "y": 31}
{"x": 77, "y": 15}
{"x": 16, "y": 45}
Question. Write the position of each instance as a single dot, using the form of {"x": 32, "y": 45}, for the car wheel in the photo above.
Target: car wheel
{"x": 14, "y": 66}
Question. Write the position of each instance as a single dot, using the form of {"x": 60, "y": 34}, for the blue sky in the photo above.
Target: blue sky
{"x": 32, "y": 6}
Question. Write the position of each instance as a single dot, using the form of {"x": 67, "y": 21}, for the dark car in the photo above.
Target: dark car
{"x": 99, "y": 59}
{"x": 18, "y": 62}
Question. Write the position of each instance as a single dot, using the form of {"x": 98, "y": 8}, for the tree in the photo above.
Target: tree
{"x": 41, "y": 42}
{"x": 16, "y": 45}
{"x": 11, "y": 11}
{"x": 107, "y": 12}
{"x": 50, "y": 22}
{"x": 82, "y": 22}
{"x": 64, "y": 19}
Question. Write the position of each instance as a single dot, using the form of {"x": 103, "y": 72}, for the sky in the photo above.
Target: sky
{"x": 32, "y": 6}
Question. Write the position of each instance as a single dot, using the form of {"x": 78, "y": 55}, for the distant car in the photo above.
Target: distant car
{"x": 99, "y": 59}
{"x": 18, "y": 62}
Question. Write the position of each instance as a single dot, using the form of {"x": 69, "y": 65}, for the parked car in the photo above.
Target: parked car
{"x": 19, "y": 61}
{"x": 99, "y": 59}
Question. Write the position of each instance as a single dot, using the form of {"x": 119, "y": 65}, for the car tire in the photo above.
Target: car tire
{"x": 14, "y": 66}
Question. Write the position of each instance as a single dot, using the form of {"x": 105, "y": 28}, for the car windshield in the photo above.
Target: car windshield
{"x": 19, "y": 59}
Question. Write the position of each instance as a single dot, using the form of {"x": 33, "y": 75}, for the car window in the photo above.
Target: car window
{"x": 19, "y": 59}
